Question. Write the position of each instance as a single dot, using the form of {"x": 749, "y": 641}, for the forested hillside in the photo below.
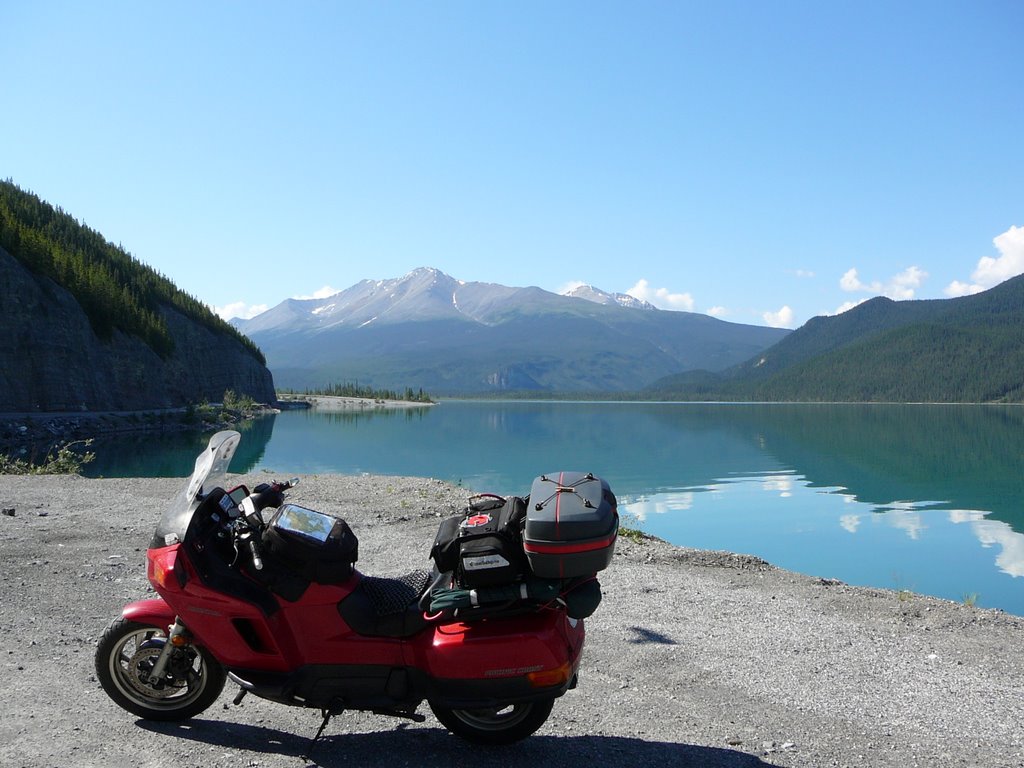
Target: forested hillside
{"x": 86, "y": 327}
{"x": 969, "y": 349}
{"x": 114, "y": 289}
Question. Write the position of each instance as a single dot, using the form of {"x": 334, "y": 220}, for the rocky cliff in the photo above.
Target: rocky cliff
{"x": 51, "y": 360}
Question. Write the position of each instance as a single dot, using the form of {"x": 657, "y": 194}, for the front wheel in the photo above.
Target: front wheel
{"x": 125, "y": 656}
{"x": 495, "y": 725}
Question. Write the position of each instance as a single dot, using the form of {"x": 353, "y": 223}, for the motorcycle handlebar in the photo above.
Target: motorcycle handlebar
{"x": 257, "y": 561}
{"x": 264, "y": 495}
{"x": 271, "y": 494}
{"x": 272, "y": 497}
{"x": 251, "y": 539}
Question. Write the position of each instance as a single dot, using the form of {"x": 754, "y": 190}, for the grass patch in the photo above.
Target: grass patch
{"x": 629, "y": 528}
{"x": 62, "y": 459}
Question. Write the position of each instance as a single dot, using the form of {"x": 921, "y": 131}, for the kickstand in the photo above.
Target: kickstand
{"x": 327, "y": 718}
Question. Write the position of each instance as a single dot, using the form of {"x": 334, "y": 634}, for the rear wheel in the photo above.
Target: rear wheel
{"x": 495, "y": 725}
{"x": 125, "y": 657}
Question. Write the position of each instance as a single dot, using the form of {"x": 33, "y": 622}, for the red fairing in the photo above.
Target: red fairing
{"x": 235, "y": 631}
{"x": 323, "y": 638}
{"x": 242, "y": 635}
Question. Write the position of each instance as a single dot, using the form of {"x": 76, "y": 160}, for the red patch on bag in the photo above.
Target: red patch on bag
{"x": 476, "y": 520}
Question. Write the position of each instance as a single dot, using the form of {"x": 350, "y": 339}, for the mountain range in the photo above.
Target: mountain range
{"x": 966, "y": 349}
{"x": 429, "y": 330}
{"x": 87, "y": 327}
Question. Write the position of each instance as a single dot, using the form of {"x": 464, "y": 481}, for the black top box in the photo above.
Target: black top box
{"x": 572, "y": 521}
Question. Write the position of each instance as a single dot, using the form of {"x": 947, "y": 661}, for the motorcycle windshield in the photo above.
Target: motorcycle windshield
{"x": 210, "y": 470}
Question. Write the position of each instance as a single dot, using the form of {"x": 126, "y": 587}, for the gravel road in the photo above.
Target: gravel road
{"x": 693, "y": 658}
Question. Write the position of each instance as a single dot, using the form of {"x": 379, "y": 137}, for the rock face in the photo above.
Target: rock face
{"x": 50, "y": 359}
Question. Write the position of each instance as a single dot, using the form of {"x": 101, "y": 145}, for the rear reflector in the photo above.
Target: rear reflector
{"x": 549, "y": 677}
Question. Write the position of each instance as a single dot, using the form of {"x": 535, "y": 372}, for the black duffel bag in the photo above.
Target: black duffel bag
{"x": 483, "y": 547}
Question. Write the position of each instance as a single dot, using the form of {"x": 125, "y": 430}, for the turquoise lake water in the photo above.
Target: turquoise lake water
{"x": 924, "y": 498}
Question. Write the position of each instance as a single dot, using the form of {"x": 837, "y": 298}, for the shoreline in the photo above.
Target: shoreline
{"x": 339, "y": 403}
{"x": 26, "y": 432}
{"x": 693, "y": 657}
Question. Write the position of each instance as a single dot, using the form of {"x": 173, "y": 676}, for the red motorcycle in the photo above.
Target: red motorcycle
{"x": 489, "y": 638}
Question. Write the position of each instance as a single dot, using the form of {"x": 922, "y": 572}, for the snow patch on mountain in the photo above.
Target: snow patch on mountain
{"x": 596, "y": 295}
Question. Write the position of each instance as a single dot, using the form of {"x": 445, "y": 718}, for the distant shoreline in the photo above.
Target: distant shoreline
{"x": 338, "y": 403}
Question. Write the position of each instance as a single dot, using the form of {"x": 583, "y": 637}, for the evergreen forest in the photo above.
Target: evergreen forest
{"x": 963, "y": 350}
{"x": 354, "y": 389}
{"x": 115, "y": 290}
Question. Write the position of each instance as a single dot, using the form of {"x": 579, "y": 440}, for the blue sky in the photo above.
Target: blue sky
{"x": 762, "y": 161}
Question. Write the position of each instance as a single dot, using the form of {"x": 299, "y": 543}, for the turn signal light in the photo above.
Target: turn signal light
{"x": 180, "y": 640}
{"x": 163, "y": 573}
{"x": 549, "y": 677}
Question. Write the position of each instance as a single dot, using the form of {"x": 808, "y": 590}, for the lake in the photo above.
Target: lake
{"x": 925, "y": 498}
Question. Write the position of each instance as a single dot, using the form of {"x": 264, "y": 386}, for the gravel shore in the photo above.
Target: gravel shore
{"x": 693, "y": 659}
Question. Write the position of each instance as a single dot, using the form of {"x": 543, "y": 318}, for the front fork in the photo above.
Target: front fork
{"x": 177, "y": 637}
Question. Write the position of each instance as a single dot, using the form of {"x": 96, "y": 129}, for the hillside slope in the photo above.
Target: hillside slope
{"x": 968, "y": 349}
{"x": 86, "y": 327}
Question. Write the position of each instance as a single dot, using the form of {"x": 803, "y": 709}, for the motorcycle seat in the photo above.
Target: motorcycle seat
{"x": 386, "y": 607}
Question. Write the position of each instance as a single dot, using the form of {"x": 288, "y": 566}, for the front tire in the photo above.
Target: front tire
{"x": 495, "y": 726}
{"x": 124, "y": 657}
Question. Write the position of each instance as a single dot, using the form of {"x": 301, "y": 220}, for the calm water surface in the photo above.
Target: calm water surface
{"x": 925, "y": 498}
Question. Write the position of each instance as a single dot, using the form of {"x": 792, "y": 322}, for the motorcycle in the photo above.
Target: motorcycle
{"x": 277, "y": 607}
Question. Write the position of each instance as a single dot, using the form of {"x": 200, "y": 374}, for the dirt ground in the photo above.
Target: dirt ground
{"x": 692, "y": 659}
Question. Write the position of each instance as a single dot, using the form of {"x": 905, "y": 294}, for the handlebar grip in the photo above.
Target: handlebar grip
{"x": 257, "y": 561}
{"x": 269, "y": 498}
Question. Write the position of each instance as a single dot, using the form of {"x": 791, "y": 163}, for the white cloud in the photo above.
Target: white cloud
{"x": 323, "y": 293}
{"x": 956, "y": 288}
{"x": 965, "y": 515}
{"x": 783, "y": 484}
{"x": 781, "y": 319}
{"x": 241, "y": 310}
{"x": 903, "y": 285}
{"x": 1011, "y": 559}
{"x": 900, "y": 286}
{"x": 995, "y": 532}
{"x": 571, "y": 286}
{"x": 659, "y": 504}
{"x": 850, "y": 282}
{"x": 848, "y": 305}
{"x": 850, "y": 522}
{"x": 718, "y": 311}
{"x": 908, "y": 521}
{"x": 661, "y": 297}
{"x": 803, "y": 273}
{"x": 992, "y": 271}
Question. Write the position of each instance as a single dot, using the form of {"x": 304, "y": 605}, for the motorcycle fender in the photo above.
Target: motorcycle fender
{"x": 153, "y": 612}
